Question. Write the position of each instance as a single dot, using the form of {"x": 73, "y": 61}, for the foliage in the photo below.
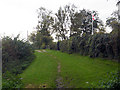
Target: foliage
{"x": 72, "y": 28}
{"x": 10, "y": 81}
{"x": 45, "y": 20}
{"x": 82, "y": 22}
{"x": 112, "y": 81}
{"x": 72, "y": 22}
{"x": 97, "y": 45}
{"x": 115, "y": 39}
{"x": 61, "y": 23}
{"x": 112, "y": 20}
{"x": 67, "y": 46}
{"x": 42, "y": 39}
{"x": 16, "y": 54}
{"x": 53, "y": 46}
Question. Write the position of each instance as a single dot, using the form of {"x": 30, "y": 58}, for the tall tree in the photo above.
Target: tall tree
{"x": 69, "y": 22}
{"x": 81, "y": 24}
{"x": 115, "y": 34}
{"x": 45, "y": 21}
{"x": 60, "y": 25}
{"x": 42, "y": 37}
{"x": 113, "y": 22}
{"x": 70, "y": 10}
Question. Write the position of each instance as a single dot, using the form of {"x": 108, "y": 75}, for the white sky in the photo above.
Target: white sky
{"x": 18, "y": 16}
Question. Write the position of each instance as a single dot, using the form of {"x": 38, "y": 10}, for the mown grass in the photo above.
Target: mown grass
{"x": 77, "y": 71}
{"x": 41, "y": 73}
{"x": 81, "y": 71}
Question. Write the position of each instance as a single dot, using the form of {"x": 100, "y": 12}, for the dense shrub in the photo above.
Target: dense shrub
{"x": 63, "y": 46}
{"x": 97, "y": 45}
{"x": 112, "y": 81}
{"x": 66, "y": 46}
{"x": 11, "y": 81}
{"x": 16, "y": 55}
{"x": 53, "y": 46}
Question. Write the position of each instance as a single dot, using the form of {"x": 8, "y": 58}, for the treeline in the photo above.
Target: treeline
{"x": 67, "y": 22}
{"x": 72, "y": 29}
{"x": 16, "y": 56}
{"x": 97, "y": 45}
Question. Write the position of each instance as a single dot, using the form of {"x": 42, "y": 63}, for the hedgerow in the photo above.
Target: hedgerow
{"x": 16, "y": 57}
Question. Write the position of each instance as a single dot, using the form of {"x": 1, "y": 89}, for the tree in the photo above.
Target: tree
{"x": 15, "y": 54}
{"x": 60, "y": 25}
{"x": 42, "y": 37}
{"x": 45, "y": 21}
{"x": 113, "y": 20}
{"x": 115, "y": 34}
{"x": 71, "y": 11}
{"x": 81, "y": 23}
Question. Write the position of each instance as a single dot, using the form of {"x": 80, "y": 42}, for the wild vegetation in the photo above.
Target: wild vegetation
{"x": 16, "y": 56}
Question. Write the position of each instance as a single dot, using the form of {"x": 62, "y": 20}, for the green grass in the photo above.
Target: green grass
{"x": 42, "y": 71}
{"x": 77, "y": 71}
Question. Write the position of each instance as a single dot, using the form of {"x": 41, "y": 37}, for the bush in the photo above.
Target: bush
{"x": 11, "y": 81}
{"x": 63, "y": 46}
{"x": 53, "y": 46}
{"x": 112, "y": 81}
{"x": 15, "y": 53}
{"x": 66, "y": 46}
{"x": 16, "y": 56}
{"x": 43, "y": 46}
{"x": 97, "y": 45}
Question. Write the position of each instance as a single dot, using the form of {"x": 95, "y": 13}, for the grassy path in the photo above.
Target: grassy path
{"x": 41, "y": 73}
{"x": 59, "y": 80}
{"x": 57, "y": 69}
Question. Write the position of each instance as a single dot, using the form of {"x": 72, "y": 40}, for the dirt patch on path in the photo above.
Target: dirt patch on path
{"x": 59, "y": 80}
{"x": 41, "y": 51}
{"x": 44, "y": 51}
{"x": 38, "y": 50}
{"x": 59, "y": 67}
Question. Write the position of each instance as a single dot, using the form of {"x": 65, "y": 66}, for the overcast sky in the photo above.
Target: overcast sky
{"x": 18, "y": 16}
